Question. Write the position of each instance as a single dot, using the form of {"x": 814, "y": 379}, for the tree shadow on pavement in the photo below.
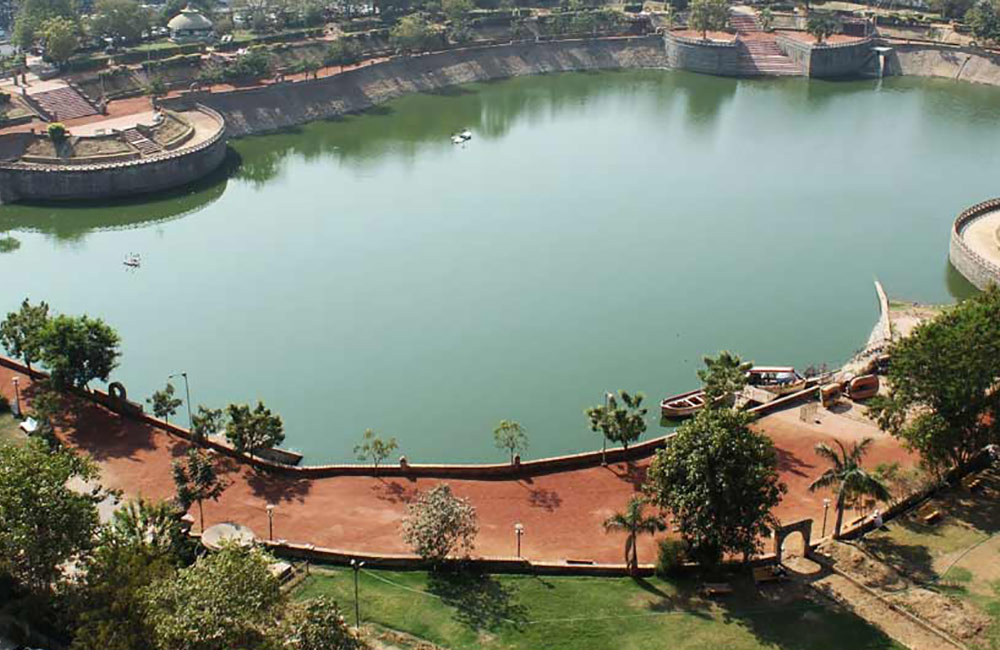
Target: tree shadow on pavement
{"x": 481, "y": 602}
{"x": 789, "y": 462}
{"x": 394, "y": 492}
{"x": 275, "y": 489}
{"x": 630, "y": 472}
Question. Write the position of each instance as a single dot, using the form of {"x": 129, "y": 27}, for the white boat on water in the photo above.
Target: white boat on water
{"x": 457, "y": 139}
{"x": 466, "y": 134}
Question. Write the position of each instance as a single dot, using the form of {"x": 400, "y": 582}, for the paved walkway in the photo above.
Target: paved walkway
{"x": 983, "y": 236}
{"x": 562, "y": 513}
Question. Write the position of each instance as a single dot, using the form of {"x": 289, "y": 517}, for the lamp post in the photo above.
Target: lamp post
{"x": 826, "y": 508}
{"x": 270, "y": 521}
{"x": 604, "y": 434}
{"x": 187, "y": 393}
{"x": 357, "y": 605}
{"x": 518, "y": 531}
{"x": 17, "y": 398}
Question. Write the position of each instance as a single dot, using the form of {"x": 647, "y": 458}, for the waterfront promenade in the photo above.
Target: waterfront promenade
{"x": 562, "y": 512}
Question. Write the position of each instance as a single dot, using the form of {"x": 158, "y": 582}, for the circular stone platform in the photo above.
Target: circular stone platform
{"x": 975, "y": 244}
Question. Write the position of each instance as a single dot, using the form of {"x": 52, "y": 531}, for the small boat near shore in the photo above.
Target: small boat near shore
{"x": 780, "y": 380}
{"x": 772, "y": 382}
{"x": 683, "y": 405}
{"x": 461, "y": 137}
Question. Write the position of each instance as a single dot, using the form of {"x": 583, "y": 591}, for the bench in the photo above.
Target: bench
{"x": 714, "y": 589}
{"x": 765, "y": 574}
{"x": 972, "y": 483}
{"x": 929, "y": 514}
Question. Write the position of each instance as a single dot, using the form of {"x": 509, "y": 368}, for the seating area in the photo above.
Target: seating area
{"x": 64, "y": 103}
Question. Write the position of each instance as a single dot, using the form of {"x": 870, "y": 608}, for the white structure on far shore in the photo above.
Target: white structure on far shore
{"x": 190, "y": 26}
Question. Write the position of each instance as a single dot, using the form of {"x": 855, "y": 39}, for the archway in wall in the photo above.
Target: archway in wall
{"x": 803, "y": 527}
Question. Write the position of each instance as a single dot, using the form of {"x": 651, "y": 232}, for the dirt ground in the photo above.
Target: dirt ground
{"x": 562, "y": 513}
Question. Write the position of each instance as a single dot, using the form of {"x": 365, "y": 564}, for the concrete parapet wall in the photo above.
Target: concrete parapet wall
{"x": 927, "y": 60}
{"x": 23, "y": 181}
{"x": 975, "y": 268}
{"x": 277, "y": 106}
{"x": 708, "y": 57}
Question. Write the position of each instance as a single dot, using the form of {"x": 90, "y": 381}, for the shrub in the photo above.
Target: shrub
{"x": 670, "y": 557}
{"x": 57, "y": 131}
{"x": 4, "y": 404}
{"x": 4, "y": 98}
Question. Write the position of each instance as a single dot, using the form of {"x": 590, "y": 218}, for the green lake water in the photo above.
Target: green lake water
{"x": 600, "y": 231}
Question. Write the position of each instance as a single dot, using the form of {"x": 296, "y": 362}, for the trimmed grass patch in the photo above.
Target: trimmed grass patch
{"x": 558, "y": 613}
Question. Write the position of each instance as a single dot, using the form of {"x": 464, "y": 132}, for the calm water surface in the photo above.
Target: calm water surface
{"x": 601, "y": 231}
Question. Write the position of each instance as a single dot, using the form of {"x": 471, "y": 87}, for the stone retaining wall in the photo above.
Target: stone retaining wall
{"x": 829, "y": 61}
{"x": 708, "y": 57}
{"x": 277, "y": 106}
{"x": 974, "y": 267}
{"x": 38, "y": 182}
{"x": 925, "y": 60}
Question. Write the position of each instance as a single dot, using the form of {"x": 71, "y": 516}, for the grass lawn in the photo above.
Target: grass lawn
{"x": 554, "y": 613}
{"x": 9, "y": 431}
{"x": 959, "y": 555}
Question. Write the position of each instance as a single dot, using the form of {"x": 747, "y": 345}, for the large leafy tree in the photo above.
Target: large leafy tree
{"x": 510, "y": 436}
{"x": 343, "y": 51}
{"x": 438, "y": 524}
{"x": 719, "y": 481}
{"x": 942, "y": 399}
{"x": 207, "y": 422}
{"x": 32, "y": 13}
{"x": 622, "y": 423}
{"x": 251, "y": 429}
{"x": 78, "y": 350}
{"x": 847, "y": 478}
{"x": 60, "y": 35}
{"x": 708, "y": 15}
{"x": 196, "y": 480}
{"x": 412, "y": 34}
{"x": 153, "y": 524}
{"x": 225, "y": 600}
{"x": 723, "y": 376}
{"x": 984, "y": 21}
{"x": 315, "y": 624}
{"x": 43, "y": 523}
{"x": 822, "y": 25}
{"x": 21, "y": 332}
{"x": 122, "y": 20}
{"x": 634, "y": 522}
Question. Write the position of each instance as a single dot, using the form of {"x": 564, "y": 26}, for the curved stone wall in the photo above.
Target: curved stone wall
{"x": 709, "y": 57}
{"x": 974, "y": 267}
{"x": 21, "y": 181}
{"x": 830, "y": 60}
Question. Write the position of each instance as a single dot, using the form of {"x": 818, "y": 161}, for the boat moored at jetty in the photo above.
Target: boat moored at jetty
{"x": 780, "y": 380}
{"x": 683, "y": 405}
{"x": 764, "y": 384}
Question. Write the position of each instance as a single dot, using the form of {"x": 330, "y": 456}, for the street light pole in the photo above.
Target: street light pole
{"x": 518, "y": 531}
{"x": 270, "y": 521}
{"x": 187, "y": 393}
{"x": 604, "y": 434}
{"x": 357, "y": 605}
{"x": 17, "y": 399}
{"x": 826, "y": 508}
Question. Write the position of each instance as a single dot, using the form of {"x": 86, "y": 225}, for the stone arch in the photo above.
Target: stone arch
{"x": 779, "y": 534}
{"x": 117, "y": 390}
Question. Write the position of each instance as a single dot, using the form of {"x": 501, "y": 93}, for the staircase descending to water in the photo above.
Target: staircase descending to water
{"x": 759, "y": 51}
{"x": 141, "y": 142}
{"x": 64, "y": 103}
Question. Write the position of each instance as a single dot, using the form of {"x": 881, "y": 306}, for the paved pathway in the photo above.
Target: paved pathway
{"x": 562, "y": 513}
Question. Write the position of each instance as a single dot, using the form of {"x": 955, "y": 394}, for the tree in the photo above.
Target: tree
{"x": 249, "y": 430}
{"x": 766, "y": 17}
{"x": 984, "y": 21}
{"x": 457, "y": 10}
{"x": 196, "y": 480}
{"x": 723, "y": 376}
{"x": 152, "y": 524}
{"x": 225, "y": 600}
{"x": 951, "y": 9}
{"x": 316, "y": 624}
{"x": 164, "y": 403}
{"x": 623, "y": 424}
{"x": 437, "y": 523}
{"x": 343, "y": 52}
{"x": 511, "y": 436}
{"x": 207, "y": 422}
{"x": 719, "y": 481}
{"x": 156, "y": 87}
{"x": 21, "y": 332}
{"x": 45, "y": 523}
{"x": 708, "y": 15}
{"x": 32, "y": 13}
{"x": 57, "y": 132}
{"x": 822, "y": 25}
{"x": 120, "y": 20}
{"x": 79, "y": 349}
{"x": 847, "y": 478}
{"x": 634, "y": 522}
{"x": 374, "y": 448}
{"x": 411, "y": 34}
{"x": 59, "y": 35}
{"x": 942, "y": 400}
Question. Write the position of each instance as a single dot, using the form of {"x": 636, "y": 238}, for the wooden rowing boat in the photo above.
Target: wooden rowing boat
{"x": 863, "y": 387}
{"x": 683, "y": 405}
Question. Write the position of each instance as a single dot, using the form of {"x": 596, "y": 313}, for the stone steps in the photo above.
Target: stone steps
{"x": 762, "y": 56}
{"x": 141, "y": 142}
{"x": 745, "y": 23}
{"x": 64, "y": 103}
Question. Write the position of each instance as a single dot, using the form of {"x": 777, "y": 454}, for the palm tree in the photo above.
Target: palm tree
{"x": 633, "y": 522}
{"x": 847, "y": 478}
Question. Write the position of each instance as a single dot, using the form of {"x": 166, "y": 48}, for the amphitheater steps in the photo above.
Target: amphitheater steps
{"x": 64, "y": 103}
{"x": 743, "y": 23}
{"x": 760, "y": 57}
{"x": 141, "y": 142}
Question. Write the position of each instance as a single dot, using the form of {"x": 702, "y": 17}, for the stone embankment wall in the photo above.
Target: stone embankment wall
{"x": 21, "y": 181}
{"x": 287, "y": 104}
{"x": 709, "y": 57}
{"x": 830, "y": 61}
{"x": 974, "y": 267}
{"x": 926, "y": 60}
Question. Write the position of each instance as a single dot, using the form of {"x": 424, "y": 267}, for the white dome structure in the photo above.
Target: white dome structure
{"x": 190, "y": 25}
